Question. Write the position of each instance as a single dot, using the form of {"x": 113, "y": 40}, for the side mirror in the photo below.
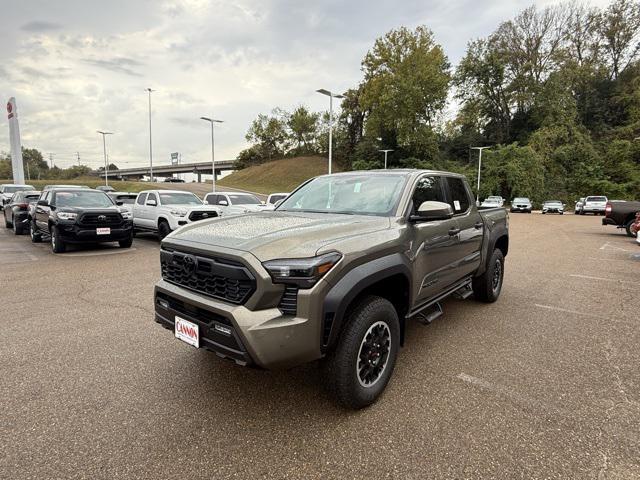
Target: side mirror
{"x": 119, "y": 203}
{"x": 152, "y": 203}
{"x": 224, "y": 203}
{"x": 432, "y": 210}
{"x": 278, "y": 203}
{"x": 206, "y": 202}
{"x": 43, "y": 203}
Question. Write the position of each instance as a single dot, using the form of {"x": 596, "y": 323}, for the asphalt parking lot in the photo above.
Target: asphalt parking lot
{"x": 542, "y": 384}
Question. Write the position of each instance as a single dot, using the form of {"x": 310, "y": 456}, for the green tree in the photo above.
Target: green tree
{"x": 303, "y": 126}
{"x": 406, "y": 81}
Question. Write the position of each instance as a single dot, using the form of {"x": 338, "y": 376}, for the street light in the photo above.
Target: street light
{"x": 385, "y": 156}
{"x": 150, "y": 143}
{"x": 104, "y": 148}
{"x": 479, "y": 167}
{"x": 213, "y": 158}
{"x": 331, "y": 97}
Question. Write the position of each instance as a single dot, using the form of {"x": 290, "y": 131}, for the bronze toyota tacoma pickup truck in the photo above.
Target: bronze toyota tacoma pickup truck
{"x": 334, "y": 273}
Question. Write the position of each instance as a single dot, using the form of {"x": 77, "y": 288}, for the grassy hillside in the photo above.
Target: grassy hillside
{"x": 277, "y": 176}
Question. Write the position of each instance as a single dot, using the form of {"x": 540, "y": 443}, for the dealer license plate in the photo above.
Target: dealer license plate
{"x": 187, "y": 332}
{"x": 103, "y": 231}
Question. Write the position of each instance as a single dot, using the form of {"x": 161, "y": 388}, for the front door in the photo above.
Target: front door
{"x": 433, "y": 266}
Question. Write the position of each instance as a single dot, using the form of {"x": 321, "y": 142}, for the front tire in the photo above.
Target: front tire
{"x": 17, "y": 228}
{"x": 7, "y": 223}
{"x": 57, "y": 244}
{"x": 627, "y": 227}
{"x": 362, "y": 363}
{"x": 36, "y": 237}
{"x": 126, "y": 243}
{"x": 487, "y": 287}
{"x": 163, "y": 229}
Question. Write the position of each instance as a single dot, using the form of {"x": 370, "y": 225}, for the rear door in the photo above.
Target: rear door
{"x": 150, "y": 217}
{"x": 434, "y": 266}
{"x": 42, "y": 213}
{"x": 466, "y": 250}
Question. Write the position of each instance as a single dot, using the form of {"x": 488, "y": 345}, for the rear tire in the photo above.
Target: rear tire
{"x": 36, "y": 237}
{"x": 487, "y": 287}
{"x": 627, "y": 227}
{"x": 360, "y": 366}
{"x": 57, "y": 244}
{"x": 7, "y": 223}
{"x": 163, "y": 229}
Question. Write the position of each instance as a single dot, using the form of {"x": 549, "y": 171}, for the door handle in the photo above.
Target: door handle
{"x": 479, "y": 225}
{"x": 454, "y": 231}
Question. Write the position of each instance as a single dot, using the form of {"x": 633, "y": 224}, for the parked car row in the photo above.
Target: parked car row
{"x": 69, "y": 214}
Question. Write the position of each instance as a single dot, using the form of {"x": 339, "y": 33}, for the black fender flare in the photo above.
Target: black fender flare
{"x": 491, "y": 245}
{"x": 352, "y": 284}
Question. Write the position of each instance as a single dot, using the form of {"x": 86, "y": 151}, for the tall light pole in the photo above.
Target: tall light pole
{"x": 213, "y": 158}
{"x": 331, "y": 97}
{"x": 479, "y": 168}
{"x": 150, "y": 143}
{"x": 385, "y": 156}
{"x": 104, "y": 149}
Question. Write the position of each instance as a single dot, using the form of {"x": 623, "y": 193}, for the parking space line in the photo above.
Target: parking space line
{"x": 588, "y": 277}
{"x": 98, "y": 253}
{"x": 565, "y": 310}
{"x": 613, "y": 247}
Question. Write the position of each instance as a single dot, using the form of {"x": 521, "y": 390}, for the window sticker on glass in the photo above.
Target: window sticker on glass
{"x": 456, "y": 204}
{"x": 356, "y": 187}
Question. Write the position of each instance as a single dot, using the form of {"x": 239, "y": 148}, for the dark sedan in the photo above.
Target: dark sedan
{"x": 16, "y": 212}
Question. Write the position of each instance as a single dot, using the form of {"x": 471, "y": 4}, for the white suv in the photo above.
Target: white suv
{"x": 595, "y": 205}
{"x": 164, "y": 211}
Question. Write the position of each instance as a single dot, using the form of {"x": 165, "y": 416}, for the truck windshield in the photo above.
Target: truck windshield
{"x": 82, "y": 199}
{"x": 351, "y": 194}
{"x": 179, "y": 199}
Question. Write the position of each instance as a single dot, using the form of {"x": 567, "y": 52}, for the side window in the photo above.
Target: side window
{"x": 152, "y": 196}
{"x": 428, "y": 189}
{"x": 459, "y": 197}
{"x": 222, "y": 198}
{"x": 141, "y": 199}
{"x": 47, "y": 196}
{"x": 210, "y": 198}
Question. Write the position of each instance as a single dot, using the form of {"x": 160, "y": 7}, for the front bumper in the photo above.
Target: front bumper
{"x": 521, "y": 209}
{"x": 261, "y": 335}
{"x": 73, "y": 233}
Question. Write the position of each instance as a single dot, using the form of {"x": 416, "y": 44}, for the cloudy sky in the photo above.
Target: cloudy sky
{"x": 76, "y": 66}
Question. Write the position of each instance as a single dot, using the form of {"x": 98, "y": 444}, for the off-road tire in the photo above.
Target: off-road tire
{"x": 36, "y": 237}
{"x": 57, "y": 244}
{"x": 17, "y": 228}
{"x": 487, "y": 287}
{"x": 7, "y": 223}
{"x": 342, "y": 364}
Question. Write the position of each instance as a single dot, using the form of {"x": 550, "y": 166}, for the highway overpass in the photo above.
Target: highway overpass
{"x": 198, "y": 168}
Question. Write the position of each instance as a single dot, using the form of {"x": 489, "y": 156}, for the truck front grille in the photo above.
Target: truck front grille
{"x": 101, "y": 219}
{"x": 215, "y": 277}
{"x": 195, "y": 216}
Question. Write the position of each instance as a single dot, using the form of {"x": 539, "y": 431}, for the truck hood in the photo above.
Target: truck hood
{"x": 271, "y": 235}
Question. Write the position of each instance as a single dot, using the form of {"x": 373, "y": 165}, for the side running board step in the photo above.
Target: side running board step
{"x": 464, "y": 292}
{"x": 429, "y": 315}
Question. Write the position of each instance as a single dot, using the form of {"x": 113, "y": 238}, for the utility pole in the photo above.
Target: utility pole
{"x": 150, "y": 142}
{"x": 479, "y": 169}
{"x": 104, "y": 148}
{"x": 331, "y": 97}
{"x": 50, "y": 160}
{"x": 78, "y": 155}
{"x": 213, "y": 158}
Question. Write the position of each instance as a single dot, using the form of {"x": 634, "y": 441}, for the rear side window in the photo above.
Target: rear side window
{"x": 141, "y": 198}
{"x": 428, "y": 189}
{"x": 459, "y": 200}
{"x": 152, "y": 196}
{"x": 210, "y": 198}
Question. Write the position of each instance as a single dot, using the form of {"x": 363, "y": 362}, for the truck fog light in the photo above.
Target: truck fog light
{"x": 164, "y": 304}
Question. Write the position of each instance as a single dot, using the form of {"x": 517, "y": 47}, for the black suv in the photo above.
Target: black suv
{"x": 78, "y": 215}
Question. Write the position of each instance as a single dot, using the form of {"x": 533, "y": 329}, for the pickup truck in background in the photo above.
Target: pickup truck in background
{"x": 334, "y": 273}
{"x": 234, "y": 203}
{"x": 163, "y": 211}
{"x": 621, "y": 214}
{"x": 594, "y": 204}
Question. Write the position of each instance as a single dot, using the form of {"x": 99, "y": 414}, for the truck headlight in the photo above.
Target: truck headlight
{"x": 67, "y": 216}
{"x": 178, "y": 213}
{"x": 303, "y": 272}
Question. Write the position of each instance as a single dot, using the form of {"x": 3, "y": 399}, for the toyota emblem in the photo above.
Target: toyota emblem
{"x": 102, "y": 218}
{"x": 205, "y": 215}
{"x": 189, "y": 263}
